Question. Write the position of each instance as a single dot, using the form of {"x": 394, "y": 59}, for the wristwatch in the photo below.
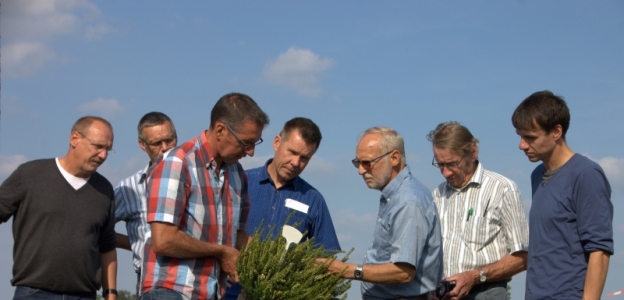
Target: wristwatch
{"x": 108, "y": 291}
{"x": 358, "y": 274}
{"x": 482, "y": 276}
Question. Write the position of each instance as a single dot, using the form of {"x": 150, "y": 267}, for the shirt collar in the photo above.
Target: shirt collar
{"x": 204, "y": 149}
{"x": 144, "y": 173}
{"x": 394, "y": 184}
{"x": 265, "y": 177}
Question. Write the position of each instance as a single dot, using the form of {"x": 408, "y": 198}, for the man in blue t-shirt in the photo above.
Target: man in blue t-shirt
{"x": 277, "y": 192}
{"x": 571, "y": 218}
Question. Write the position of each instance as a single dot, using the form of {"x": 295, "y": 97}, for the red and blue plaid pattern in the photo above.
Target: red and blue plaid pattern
{"x": 185, "y": 191}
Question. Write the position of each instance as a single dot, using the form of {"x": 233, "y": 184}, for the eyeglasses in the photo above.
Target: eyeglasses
{"x": 98, "y": 147}
{"x": 157, "y": 144}
{"x": 245, "y": 145}
{"x": 367, "y": 164}
{"x": 450, "y": 165}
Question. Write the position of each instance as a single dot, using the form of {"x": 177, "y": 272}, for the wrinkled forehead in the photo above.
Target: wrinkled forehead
{"x": 369, "y": 145}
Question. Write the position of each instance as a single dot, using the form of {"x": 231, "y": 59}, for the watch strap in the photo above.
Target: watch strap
{"x": 108, "y": 291}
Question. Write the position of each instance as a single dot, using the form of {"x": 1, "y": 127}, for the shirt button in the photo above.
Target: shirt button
{"x": 273, "y": 208}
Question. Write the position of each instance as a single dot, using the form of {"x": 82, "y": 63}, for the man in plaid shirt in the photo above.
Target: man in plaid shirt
{"x": 198, "y": 206}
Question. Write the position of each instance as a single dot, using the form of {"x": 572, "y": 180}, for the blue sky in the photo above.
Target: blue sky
{"x": 347, "y": 65}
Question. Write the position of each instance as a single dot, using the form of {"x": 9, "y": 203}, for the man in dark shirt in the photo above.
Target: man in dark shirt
{"x": 63, "y": 219}
{"x": 571, "y": 218}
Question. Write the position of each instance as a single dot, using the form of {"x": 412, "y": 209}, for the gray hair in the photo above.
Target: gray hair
{"x": 390, "y": 140}
{"x": 152, "y": 119}
{"x": 453, "y": 136}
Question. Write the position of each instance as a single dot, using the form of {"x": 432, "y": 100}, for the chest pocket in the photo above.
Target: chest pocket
{"x": 479, "y": 232}
{"x": 382, "y": 241}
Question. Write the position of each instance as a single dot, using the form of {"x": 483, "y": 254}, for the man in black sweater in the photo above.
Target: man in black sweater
{"x": 63, "y": 219}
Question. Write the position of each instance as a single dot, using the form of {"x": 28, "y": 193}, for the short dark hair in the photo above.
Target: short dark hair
{"x": 152, "y": 119}
{"x": 84, "y": 123}
{"x": 453, "y": 136}
{"x": 234, "y": 109}
{"x": 308, "y": 130}
{"x": 544, "y": 109}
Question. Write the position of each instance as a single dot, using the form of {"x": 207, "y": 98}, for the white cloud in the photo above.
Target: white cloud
{"x": 8, "y": 164}
{"x": 613, "y": 168}
{"x": 28, "y": 27}
{"x": 105, "y": 107}
{"x": 298, "y": 70}
{"x": 25, "y": 58}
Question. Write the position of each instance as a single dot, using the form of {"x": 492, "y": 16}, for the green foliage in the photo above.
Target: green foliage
{"x": 121, "y": 295}
{"x": 268, "y": 272}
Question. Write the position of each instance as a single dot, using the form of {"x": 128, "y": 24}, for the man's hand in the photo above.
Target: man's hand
{"x": 336, "y": 266}
{"x": 463, "y": 284}
{"x": 227, "y": 260}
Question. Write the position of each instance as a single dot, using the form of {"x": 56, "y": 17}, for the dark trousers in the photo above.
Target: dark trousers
{"x": 28, "y": 293}
{"x": 138, "y": 285}
{"x": 161, "y": 294}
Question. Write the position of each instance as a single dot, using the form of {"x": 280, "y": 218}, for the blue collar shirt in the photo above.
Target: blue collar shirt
{"x": 407, "y": 231}
{"x": 130, "y": 207}
{"x": 271, "y": 207}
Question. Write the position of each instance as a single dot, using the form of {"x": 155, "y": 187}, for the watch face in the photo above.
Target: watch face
{"x": 482, "y": 278}
{"x": 358, "y": 272}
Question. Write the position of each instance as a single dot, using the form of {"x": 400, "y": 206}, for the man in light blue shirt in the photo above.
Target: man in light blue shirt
{"x": 157, "y": 135}
{"x": 405, "y": 260}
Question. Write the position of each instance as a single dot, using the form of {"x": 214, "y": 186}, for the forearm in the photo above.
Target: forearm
{"x": 505, "y": 268}
{"x": 123, "y": 242}
{"x": 109, "y": 272}
{"x": 597, "y": 268}
{"x": 386, "y": 273}
{"x": 168, "y": 240}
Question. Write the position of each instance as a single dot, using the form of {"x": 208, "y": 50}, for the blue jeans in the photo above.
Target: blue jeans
{"x": 232, "y": 292}
{"x": 27, "y": 293}
{"x": 161, "y": 294}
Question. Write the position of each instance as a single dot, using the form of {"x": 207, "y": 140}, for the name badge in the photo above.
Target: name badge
{"x": 296, "y": 205}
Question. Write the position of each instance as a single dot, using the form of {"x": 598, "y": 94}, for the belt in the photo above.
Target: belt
{"x": 421, "y": 297}
{"x": 488, "y": 285}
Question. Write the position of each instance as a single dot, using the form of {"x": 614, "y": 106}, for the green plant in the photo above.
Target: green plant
{"x": 267, "y": 271}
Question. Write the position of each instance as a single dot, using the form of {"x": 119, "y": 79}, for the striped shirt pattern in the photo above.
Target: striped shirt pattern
{"x": 185, "y": 191}
{"x": 497, "y": 226}
{"x": 131, "y": 207}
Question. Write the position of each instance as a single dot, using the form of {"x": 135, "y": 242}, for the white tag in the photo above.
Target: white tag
{"x": 296, "y": 205}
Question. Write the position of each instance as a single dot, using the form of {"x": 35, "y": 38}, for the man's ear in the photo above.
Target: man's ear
{"x": 276, "y": 142}
{"x": 219, "y": 130}
{"x": 395, "y": 156}
{"x": 557, "y": 132}
{"x": 73, "y": 139}
{"x": 475, "y": 153}
{"x": 142, "y": 145}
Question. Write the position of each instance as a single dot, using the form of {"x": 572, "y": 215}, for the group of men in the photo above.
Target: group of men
{"x": 192, "y": 208}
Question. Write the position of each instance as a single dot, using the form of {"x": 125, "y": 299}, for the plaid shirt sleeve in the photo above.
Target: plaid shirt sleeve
{"x": 168, "y": 190}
